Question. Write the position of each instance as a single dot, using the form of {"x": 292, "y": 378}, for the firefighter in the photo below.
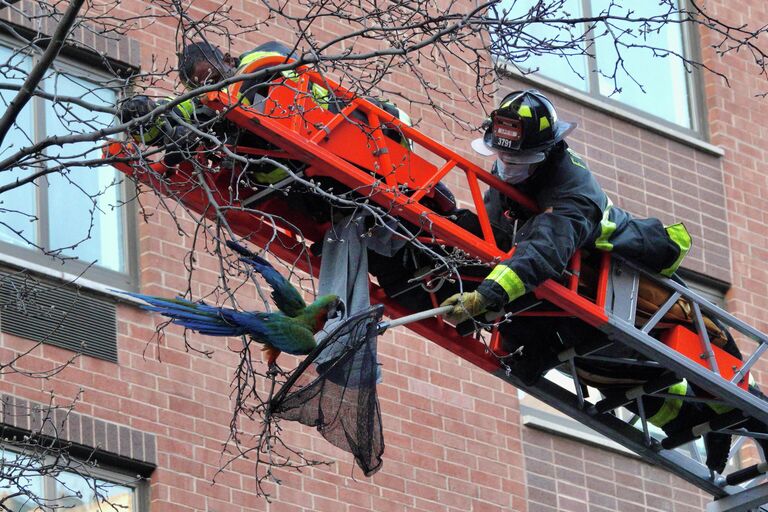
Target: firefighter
{"x": 202, "y": 63}
{"x": 527, "y": 140}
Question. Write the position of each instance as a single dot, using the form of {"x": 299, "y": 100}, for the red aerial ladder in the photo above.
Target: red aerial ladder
{"x": 349, "y": 145}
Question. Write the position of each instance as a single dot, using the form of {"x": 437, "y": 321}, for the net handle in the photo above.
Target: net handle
{"x": 416, "y": 317}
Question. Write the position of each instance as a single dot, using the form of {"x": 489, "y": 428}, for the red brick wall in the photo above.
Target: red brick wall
{"x": 454, "y": 434}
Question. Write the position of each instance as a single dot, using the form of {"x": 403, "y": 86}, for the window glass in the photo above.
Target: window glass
{"x": 572, "y": 69}
{"x": 28, "y": 487}
{"x": 84, "y": 494}
{"x": 665, "y": 94}
{"x": 23, "y": 486}
{"x": 18, "y": 207}
{"x": 76, "y": 210}
{"x": 82, "y": 202}
{"x": 652, "y": 81}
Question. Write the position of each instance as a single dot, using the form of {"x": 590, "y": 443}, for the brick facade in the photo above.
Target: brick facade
{"x": 455, "y": 439}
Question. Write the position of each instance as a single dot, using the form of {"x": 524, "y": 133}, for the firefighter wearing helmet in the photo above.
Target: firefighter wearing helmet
{"x": 526, "y": 138}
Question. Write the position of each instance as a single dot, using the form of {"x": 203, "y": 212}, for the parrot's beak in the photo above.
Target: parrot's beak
{"x": 336, "y": 310}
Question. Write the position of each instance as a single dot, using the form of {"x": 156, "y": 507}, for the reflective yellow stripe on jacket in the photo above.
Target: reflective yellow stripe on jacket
{"x": 185, "y": 110}
{"x": 680, "y": 236}
{"x": 508, "y": 280}
{"x": 607, "y": 227}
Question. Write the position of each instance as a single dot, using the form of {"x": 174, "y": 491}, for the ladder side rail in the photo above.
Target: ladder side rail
{"x": 374, "y": 115}
{"x": 369, "y": 108}
{"x": 744, "y": 501}
{"x": 617, "y": 430}
{"x": 332, "y": 166}
{"x": 706, "y": 305}
{"x": 624, "y": 332}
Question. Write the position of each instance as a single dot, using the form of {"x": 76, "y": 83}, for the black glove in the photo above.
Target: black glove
{"x": 179, "y": 143}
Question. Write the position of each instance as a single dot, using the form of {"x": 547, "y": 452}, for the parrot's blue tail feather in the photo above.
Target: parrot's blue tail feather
{"x": 197, "y": 316}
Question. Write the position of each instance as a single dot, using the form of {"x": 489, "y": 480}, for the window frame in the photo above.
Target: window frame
{"x": 108, "y": 473}
{"x": 697, "y": 135}
{"x": 95, "y": 277}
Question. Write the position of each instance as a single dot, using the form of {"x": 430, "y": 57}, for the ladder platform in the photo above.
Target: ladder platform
{"x": 347, "y": 148}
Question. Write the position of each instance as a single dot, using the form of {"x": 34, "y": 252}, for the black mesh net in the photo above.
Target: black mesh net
{"x": 338, "y": 396}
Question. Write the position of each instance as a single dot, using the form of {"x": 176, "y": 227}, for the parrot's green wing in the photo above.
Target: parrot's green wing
{"x": 286, "y": 297}
{"x": 288, "y": 335}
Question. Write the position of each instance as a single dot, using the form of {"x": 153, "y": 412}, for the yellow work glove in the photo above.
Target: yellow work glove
{"x": 465, "y": 305}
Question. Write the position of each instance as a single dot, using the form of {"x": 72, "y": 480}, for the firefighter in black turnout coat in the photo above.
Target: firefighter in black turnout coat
{"x": 527, "y": 140}
{"x": 526, "y": 137}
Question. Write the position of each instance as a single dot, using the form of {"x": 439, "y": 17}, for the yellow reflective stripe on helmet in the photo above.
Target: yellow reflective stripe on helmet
{"x": 249, "y": 57}
{"x": 680, "y": 236}
{"x": 671, "y": 407}
{"x": 508, "y": 280}
{"x": 544, "y": 124}
{"x": 607, "y": 227}
{"x": 525, "y": 111}
{"x": 319, "y": 93}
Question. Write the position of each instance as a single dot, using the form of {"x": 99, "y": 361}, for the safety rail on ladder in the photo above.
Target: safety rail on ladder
{"x": 348, "y": 144}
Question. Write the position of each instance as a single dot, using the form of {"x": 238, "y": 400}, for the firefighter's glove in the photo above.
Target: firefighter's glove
{"x": 465, "y": 305}
{"x": 179, "y": 143}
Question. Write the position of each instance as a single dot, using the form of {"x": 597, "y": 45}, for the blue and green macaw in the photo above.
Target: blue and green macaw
{"x": 291, "y": 330}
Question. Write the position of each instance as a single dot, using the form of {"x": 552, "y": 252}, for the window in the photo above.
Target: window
{"x": 78, "y": 212}
{"x": 668, "y": 94}
{"x": 27, "y": 488}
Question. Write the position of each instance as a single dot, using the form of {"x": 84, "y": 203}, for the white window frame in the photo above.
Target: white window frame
{"x": 98, "y": 278}
{"x": 696, "y": 136}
